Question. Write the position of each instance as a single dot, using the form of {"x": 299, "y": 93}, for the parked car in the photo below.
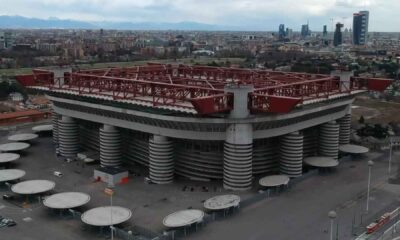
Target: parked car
{"x": 7, "y": 222}
{"x": 69, "y": 160}
{"x": 11, "y": 223}
{"x": 8, "y": 197}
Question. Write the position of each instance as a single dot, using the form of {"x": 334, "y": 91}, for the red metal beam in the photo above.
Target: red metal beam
{"x": 26, "y": 80}
{"x": 213, "y": 104}
{"x": 273, "y": 104}
{"x": 375, "y": 84}
{"x": 201, "y": 87}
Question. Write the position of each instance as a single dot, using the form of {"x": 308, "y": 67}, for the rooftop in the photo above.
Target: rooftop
{"x": 26, "y": 113}
{"x": 199, "y": 89}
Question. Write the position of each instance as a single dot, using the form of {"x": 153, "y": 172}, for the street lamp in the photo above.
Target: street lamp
{"x": 332, "y": 215}
{"x": 109, "y": 191}
{"x": 390, "y": 156}
{"x": 370, "y": 164}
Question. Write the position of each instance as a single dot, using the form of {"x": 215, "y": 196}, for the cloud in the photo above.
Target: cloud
{"x": 356, "y": 3}
{"x": 257, "y": 14}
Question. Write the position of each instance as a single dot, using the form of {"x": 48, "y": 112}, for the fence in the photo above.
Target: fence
{"x": 129, "y": 235}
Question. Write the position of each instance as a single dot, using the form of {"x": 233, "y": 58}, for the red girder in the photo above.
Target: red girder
{"x": 156, "y": 92}
{"x": 271, "y": 103}
{"x": 202, "y": 87}
{"x": 213, "y": 104}
{"x": 374, "y": 84}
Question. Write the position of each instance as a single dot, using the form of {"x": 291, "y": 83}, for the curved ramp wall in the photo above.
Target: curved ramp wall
{"x": 329, "y": 140}
{"x": 68, "y": 137}
{"x": 291, "y": 154}
{"x": 110, "y": 147}
{"x": 161, "y": 160}
{"x": 345, "y": 129}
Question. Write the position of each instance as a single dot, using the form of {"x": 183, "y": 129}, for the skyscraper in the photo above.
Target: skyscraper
{"x": 360, "y": 27}
{"x": 282, "y": 32}
{"x": 289, "y": 33}
{"x": 338, "y": 38}
{"x": 325, "y": 32}
{"x": 325, "y": 36}
{"x": 305, "y": 31}
{"x": 2, "y": 41}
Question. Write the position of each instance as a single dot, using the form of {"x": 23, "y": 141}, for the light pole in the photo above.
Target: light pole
{"x": 111, "y": 217}
{"x": 390, "y": 157}
{"x": 109, "y": 191}
{"x": 332, "y": 215}
{"x": 370, "y": 164}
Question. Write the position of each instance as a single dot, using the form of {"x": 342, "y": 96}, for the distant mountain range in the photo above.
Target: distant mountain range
{"x": 36, "y": 23}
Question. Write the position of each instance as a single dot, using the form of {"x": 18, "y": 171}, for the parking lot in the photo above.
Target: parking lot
{"x": 149, "y": 203}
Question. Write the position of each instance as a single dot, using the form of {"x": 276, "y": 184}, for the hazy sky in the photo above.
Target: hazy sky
{"x": 256, "y": 14}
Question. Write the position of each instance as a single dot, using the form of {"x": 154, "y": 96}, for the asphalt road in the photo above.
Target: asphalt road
{"x": 302, "y": 212}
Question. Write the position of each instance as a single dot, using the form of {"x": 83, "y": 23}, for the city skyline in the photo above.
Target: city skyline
{"x": 236, "y": 15}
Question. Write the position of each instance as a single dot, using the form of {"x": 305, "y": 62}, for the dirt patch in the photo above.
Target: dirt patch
{"x": 376, "y": 111}
{"x": 5, "y": 108}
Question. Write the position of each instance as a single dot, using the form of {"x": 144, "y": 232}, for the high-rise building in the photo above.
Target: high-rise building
{"x": 338, "y": 38}
{"x": 9, "y": 40}
{"x": 289, "y": 33}
{"x": 360, "y": 27}
{"x": 2, "y": 40}
{"x": 325, "y": 31}
{"x": 282, "y": 32}
{"x": 325, "y": 36}
{"x": 305, "y": 31}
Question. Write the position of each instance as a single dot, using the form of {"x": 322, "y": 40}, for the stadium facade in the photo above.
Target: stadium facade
{"x": 201, "y": 123}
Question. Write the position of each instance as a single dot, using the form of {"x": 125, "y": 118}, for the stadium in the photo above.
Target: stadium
{"x": 199, "y": 122}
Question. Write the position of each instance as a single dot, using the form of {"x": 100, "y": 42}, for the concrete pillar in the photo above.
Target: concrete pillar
{"x": 161, "y": 161}
{"x": 68, "y": 137}
{"x": 291, "y": 154}
{"x": 110, "y": 146}
{"x": 55, "y": 119}
{"x": 344, "y": 78}
{"x": 58, "y": 73}
{"x": 238, "y": 156}
{"x": 240, "y": 100}
{"x": 238, "y": 147}
{"x": 329, "y": 140}
{"x": 344, "y": 129}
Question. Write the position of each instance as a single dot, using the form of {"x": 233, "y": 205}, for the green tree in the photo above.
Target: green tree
{"x": 213, "y": 64}
{"x": 361, "y": 120}
{"x": 4, "y": 89}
